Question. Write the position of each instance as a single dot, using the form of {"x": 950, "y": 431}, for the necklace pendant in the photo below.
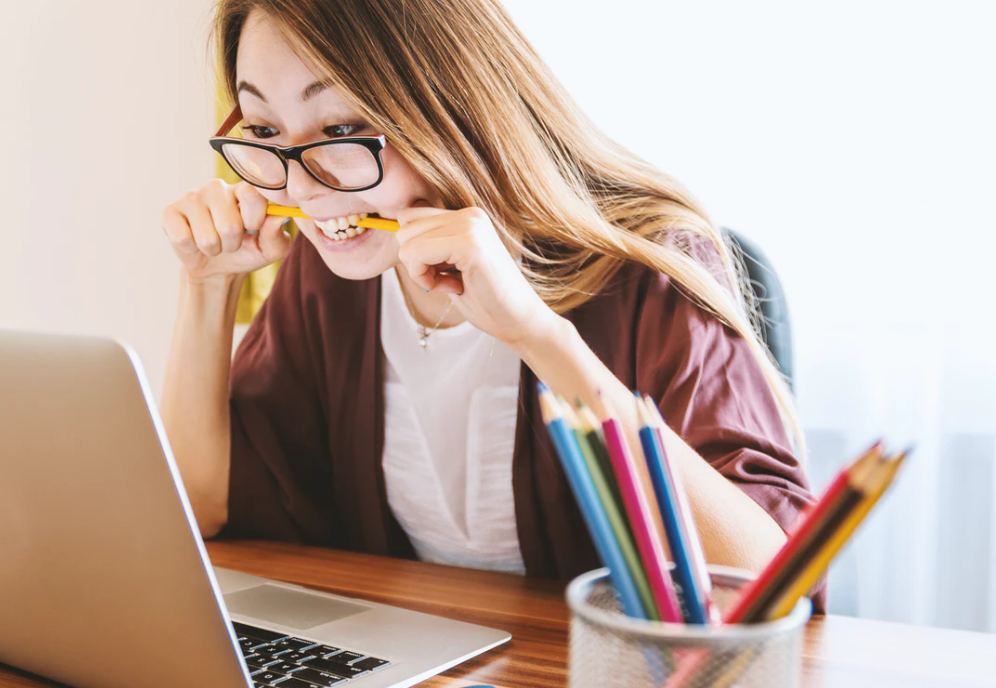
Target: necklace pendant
{"x": 423, "y": 337}
{"x": 422, "y": 343}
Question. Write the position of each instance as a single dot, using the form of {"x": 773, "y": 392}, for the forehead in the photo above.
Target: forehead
{"x": 267, "y": 61}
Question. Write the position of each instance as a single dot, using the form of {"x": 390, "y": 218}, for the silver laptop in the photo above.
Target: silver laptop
{"x": 104, "y": 579}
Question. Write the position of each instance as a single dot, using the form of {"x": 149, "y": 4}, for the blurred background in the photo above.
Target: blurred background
{"x": 854, "y": 142}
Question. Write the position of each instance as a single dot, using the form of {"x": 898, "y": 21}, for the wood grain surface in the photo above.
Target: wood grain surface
{"x": 838, "y": 651}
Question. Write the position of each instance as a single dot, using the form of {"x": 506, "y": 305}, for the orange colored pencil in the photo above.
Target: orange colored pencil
{"x": 367, "y": 222}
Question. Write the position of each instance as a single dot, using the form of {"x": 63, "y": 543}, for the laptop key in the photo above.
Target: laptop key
{"x": 325, "y": 650}
{"x": 284, "y": 667}
{"x": 295, "y": 644}
{"x": 318, "y": 678}
{"x": 296, "y": 657}
{"x": 268, "y": 678}
{"x": 331, "y": 667}
{"x": 261, "y": 633}
{"x": 370, "y": 663}
{"x": 259, "y": 660}
{"x": 347, "y": 657}
{"x": 251, "y": 643}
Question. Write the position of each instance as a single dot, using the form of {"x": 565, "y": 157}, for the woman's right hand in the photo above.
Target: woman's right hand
{"x": 208, "y": 230}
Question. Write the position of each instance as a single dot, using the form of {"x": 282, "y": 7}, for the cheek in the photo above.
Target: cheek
{"x": 401, "y": 186}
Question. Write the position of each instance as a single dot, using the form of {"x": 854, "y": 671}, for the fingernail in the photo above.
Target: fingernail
{"x": 425, "y": 290}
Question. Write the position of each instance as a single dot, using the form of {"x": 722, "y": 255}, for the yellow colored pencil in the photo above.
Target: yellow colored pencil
{"x": 879, "y": 482}
{"x": 368, "y": 222}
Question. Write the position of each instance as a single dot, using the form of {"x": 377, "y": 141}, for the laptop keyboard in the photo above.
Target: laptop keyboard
{"x": 276, "y": 659}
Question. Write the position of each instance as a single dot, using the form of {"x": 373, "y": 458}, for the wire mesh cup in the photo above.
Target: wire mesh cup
{"x": 609, "y": 649}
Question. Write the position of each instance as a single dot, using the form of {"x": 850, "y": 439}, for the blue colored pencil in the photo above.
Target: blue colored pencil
{"x": 591, "y": 508}
{"x": 678, "y": 538}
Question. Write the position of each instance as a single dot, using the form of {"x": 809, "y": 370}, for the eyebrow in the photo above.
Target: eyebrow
{"x": 306, "y": 95}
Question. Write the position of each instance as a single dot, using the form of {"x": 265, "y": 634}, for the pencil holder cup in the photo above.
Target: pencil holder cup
{"x": 608, "y": 648}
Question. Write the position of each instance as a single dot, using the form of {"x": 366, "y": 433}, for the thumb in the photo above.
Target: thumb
{"x": 274, "y": 240}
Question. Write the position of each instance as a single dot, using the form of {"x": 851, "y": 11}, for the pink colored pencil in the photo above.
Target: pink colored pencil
{"x": 648, "y": 540}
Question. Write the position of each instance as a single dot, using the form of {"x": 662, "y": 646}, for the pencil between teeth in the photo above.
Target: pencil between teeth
{"x": 367, "y": 222}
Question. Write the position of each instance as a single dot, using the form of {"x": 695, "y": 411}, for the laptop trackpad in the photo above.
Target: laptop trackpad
{"x": 292, "y": 608}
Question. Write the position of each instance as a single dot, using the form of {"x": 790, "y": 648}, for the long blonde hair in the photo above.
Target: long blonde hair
{"x": 466, "y": 100}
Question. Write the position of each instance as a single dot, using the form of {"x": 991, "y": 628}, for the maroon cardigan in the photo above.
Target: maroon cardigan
{"x": 307, "y": 415}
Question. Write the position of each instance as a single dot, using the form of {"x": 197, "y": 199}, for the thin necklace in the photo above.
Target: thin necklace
{"x": 423, "y": 332}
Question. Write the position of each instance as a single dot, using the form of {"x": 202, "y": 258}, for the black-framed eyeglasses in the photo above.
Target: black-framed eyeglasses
{"x": 351, "y": 163}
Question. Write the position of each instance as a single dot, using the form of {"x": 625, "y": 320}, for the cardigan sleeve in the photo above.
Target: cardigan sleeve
{"x": 279, "y": 440}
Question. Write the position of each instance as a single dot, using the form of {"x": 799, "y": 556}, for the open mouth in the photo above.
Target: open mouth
{"x": 342, "y": 228}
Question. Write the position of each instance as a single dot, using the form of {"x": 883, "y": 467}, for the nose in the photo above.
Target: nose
{"x": 301, "y": 186}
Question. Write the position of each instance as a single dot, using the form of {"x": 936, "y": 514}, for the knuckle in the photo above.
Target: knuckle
{"x": 210, "y": 245}
{"x": 184, "y": 243}
{"x": 475, "y": 214}
{"x": 216, "y": 185}
{"x": 230, "y": 229}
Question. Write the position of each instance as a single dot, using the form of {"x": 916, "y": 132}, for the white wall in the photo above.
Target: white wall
{"x": 855, "y": 142}
{"x": 105, "y": 115}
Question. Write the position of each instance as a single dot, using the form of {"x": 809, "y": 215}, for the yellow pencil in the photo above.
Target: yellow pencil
{"x": 878, "y": 483}
{"x": 368, "y": 222}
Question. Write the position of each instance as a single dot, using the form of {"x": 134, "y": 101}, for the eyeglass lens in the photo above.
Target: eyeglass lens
{"x": 342, "y": 165}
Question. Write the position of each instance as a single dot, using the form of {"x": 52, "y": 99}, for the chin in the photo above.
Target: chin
{"x": 358, "y": 258}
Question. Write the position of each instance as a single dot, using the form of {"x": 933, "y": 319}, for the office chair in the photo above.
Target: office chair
{"x": 776, "y": 329}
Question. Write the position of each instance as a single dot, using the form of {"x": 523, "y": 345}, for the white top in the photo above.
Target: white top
{"x": 449, "y": 432}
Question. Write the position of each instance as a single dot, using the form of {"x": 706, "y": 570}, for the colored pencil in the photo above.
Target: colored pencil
{"x": 591, "y": 509}
{"x": 696, "y": 552}
{"x": 678, "y": 537}
{"x": 752, "y": 599}
{"x": 875, "y": 486}
{"x": 648, "y": 539}
{"x": 819, "y": 536}
{"x": 596, "y": 438}
{"x": 368, "y": 222}
{"x": 614, "y": 513}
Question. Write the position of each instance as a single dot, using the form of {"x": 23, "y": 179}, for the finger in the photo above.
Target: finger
{"x": 428, "y": 257}
{"x": 226, "y": 218}
{"x": 448, "y": 283}
{"x": 252, "y": 206}
{"x": 202, "y": 227}
{"x": 423, "y": 225}
{"x": 406, "y": 215}
{"x": 274, "y": 240}
{"x": 178, "y": 231}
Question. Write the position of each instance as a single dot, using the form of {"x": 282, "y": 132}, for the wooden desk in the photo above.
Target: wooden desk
{"x": 839, "y": 651}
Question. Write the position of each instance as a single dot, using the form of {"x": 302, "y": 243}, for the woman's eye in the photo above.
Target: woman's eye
{"x": 337, "y": 130}
{"x": 261, "y": 132}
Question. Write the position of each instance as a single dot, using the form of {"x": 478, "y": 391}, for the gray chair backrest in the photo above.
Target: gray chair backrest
{"x": 776, "y": 328}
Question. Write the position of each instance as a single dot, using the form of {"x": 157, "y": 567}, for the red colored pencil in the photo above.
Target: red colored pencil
{"x": 750, "y": 603}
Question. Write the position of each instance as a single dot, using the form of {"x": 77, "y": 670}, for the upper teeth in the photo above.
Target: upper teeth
{"x": 340, "y": 228}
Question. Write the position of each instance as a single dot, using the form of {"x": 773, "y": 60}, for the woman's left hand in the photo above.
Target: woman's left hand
{"x": 490, "y": 291}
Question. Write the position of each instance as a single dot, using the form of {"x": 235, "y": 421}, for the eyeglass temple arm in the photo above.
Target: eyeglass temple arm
{"x": 234, "y": 118}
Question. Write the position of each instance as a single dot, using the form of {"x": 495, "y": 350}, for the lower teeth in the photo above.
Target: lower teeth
{"x": 342, "y": 235}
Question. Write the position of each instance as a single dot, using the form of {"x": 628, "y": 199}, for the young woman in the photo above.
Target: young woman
{"x": 384, "y": 398}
